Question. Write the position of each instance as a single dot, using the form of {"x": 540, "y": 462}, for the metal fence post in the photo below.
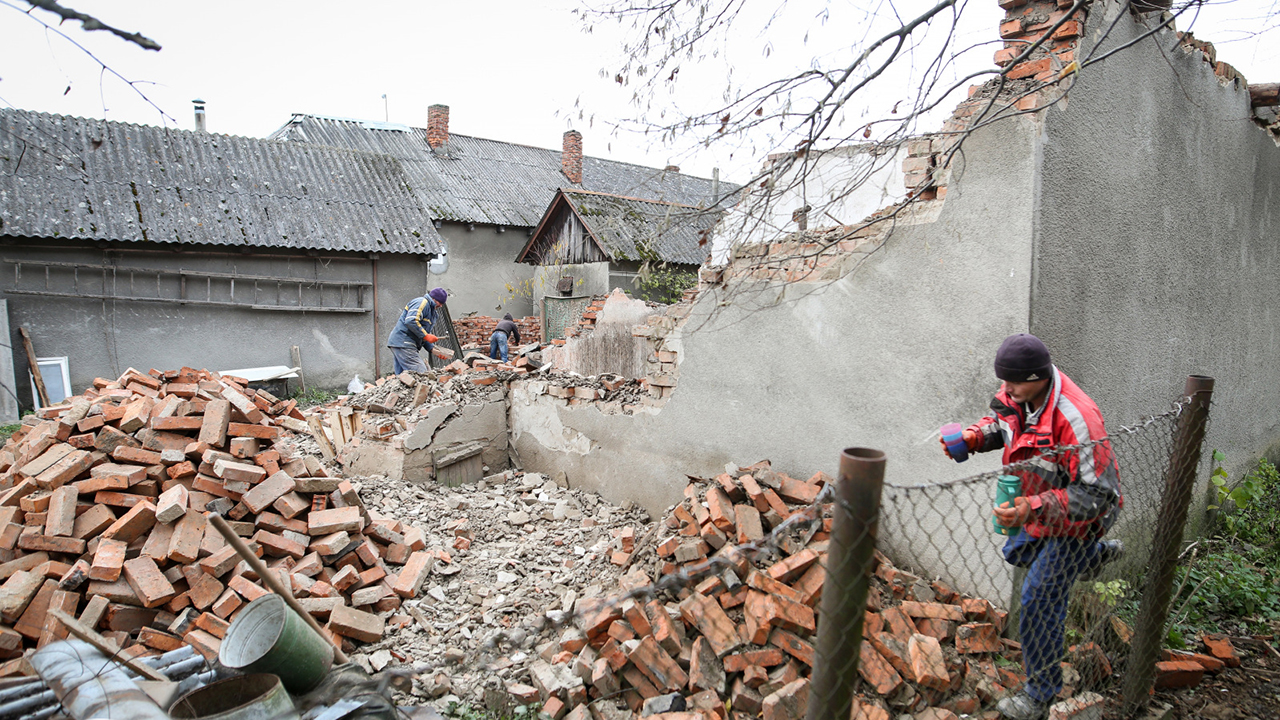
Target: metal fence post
{"x": 844, "y": 599}
{"x": 1149, "y": 632}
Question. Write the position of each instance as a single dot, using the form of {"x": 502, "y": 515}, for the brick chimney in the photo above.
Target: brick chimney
{"x": 437, "y": 125}
{"x": 571, "y": 157}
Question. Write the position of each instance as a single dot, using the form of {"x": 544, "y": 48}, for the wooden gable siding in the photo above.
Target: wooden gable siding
{"x": 565, "y": 241}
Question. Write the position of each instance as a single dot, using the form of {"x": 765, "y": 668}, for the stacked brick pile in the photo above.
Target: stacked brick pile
{"x": 746, "y": 635}
{"x": 104, "y": 507}
{"x": 475, "y": 330}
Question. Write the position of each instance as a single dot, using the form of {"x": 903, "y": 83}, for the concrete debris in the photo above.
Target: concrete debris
{"x": 485, "y": 625}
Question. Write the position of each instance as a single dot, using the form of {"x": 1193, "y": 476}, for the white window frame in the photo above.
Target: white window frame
{"x": 46, "y": 364}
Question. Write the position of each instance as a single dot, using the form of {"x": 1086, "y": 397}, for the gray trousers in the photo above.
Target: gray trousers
{"x": 407, "y": 359}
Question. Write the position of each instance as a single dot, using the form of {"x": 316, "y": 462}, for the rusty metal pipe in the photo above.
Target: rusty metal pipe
{"x": 1149, "y": 631}
{"x": 844, "y": 598}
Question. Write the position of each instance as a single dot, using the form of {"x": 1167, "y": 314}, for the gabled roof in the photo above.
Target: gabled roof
{"x": 488, "y": 181}
{"x": 628, "y": 228}
{"x": 70, "y": 177}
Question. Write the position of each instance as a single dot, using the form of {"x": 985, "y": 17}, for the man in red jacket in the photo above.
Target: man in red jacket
{"x": 1069, "y": 499}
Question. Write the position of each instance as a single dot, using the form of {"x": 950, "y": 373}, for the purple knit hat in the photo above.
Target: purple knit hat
{"x": 439, "y": 295}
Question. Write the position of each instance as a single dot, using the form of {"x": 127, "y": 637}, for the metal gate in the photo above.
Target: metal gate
{"x": 559, "y": 313}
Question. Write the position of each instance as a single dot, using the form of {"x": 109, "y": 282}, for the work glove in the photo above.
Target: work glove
{"x": 972, "y": 439}
{"x": 430, "y": 338}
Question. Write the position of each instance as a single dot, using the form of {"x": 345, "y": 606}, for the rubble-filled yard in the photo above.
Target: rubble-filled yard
{"x": 505, "y": 588}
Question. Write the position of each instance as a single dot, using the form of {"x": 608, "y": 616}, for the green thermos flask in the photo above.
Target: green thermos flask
{"x": 1008, "y": 487}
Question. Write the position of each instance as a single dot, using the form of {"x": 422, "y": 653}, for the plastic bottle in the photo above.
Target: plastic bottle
{"x": 1008, "y": 487}
{"x": 953, "y": 436}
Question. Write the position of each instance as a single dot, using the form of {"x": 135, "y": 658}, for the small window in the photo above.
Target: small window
{"x": 57, "y": 380}
{"x": 440, "y": 263}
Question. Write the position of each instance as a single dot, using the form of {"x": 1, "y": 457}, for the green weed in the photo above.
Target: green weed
{"x": 314, "y": 396}
{"x": 1233, "y": 576}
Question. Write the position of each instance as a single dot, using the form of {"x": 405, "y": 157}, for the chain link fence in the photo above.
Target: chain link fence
{"x": 847, "y": 599}
{"x": 963, "y": 615}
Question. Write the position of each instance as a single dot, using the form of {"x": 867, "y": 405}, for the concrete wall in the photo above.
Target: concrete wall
{"x": 1156, "y": 251}
{"x": 443, "y": 431}
{"x": 880, "y": 359}
{"x": 482, "y": 275}
{"x": 102, "y": 338}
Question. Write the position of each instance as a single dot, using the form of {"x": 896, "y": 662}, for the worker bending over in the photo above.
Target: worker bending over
{"x": 412, "y": 331}
{"x": 506, "y": 332}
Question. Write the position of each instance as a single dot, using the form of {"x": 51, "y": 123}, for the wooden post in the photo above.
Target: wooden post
{"x": 35, "y": 367}
{"x": 105, "y": 646}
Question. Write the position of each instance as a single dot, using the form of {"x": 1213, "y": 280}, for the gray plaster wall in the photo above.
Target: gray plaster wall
{"x": 1156, "y": 242}
{"x": 879, "y": 359}
{"x": 445, "y": 429}
{"x": 483, "y": 276}
{"x": 104, "y": 337}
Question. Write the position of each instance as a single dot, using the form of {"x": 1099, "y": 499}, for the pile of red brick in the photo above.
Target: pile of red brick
{"x": 475, "y": 330}
{"x": 746, "y": 635}
{"x": 104, "y": 507}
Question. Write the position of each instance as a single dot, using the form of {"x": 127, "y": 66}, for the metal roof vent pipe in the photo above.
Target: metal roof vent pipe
{"x": 571, "y": 157}
{"x": 437, "y": 126}
{"x": 199, "y": 115}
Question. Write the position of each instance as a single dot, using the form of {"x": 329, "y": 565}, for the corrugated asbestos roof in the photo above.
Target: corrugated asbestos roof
{"x": 634, "y": 229}
{"x": 93, "y": 179}
{"x": 488, "y": 181}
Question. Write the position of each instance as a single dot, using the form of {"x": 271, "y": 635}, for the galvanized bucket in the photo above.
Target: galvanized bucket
{"x": 247, "y": 697}
{"x": 269, "y": 637}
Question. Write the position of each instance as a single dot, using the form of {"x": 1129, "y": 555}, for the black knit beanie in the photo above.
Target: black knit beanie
{"x": 1023, "y": 358}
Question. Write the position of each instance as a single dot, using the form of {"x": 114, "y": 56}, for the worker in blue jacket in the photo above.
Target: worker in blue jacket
{"x": 412, "y": 331}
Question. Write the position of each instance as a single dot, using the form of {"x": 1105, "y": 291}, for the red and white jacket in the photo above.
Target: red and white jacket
{"x": 1074, "y": 493}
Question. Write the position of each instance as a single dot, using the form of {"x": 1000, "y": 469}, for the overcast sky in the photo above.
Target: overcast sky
{"x": 509, "y": 70}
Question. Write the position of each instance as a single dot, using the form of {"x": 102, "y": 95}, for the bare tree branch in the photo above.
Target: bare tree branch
{"x": 133, "y": 84}
{"x": 88, "y": 22}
